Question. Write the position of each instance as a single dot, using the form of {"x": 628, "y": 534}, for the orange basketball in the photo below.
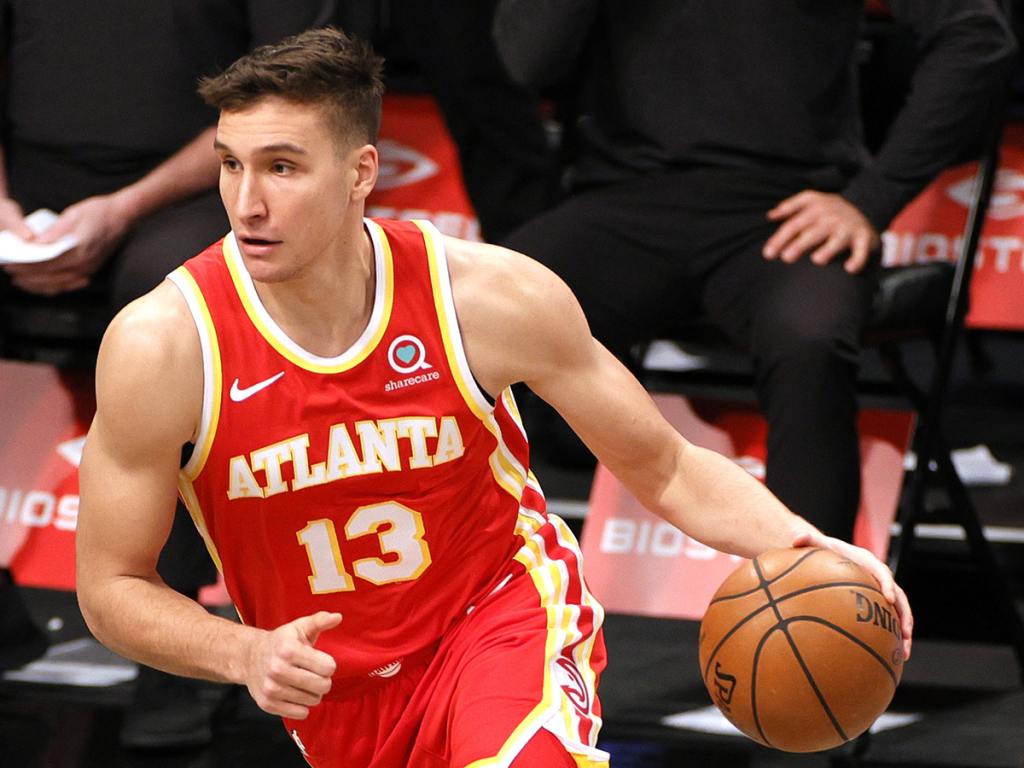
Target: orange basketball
{"x": 800, "y": 650}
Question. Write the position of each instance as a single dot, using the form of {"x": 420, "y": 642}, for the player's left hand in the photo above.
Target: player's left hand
{"x": 98, "y": 223}
{"x": 866, "y": 560}
{"x": 825, "y": 222}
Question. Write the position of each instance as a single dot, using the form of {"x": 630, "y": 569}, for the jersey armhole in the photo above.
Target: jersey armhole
{"x": 183, "y": 280}
{"x": 444, "y": 303}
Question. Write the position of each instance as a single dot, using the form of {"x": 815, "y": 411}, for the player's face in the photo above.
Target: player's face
{"x": 290, "y": 189}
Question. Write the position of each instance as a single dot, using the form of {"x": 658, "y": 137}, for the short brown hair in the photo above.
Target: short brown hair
{"x": 320, "y": 66}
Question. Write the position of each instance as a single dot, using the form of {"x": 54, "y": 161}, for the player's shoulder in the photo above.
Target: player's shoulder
{"x": 154, "y": 324}
{"x": 149, "y": 375}
{"x": 515, "y": 315}
{"x": 501, "y": 280}
{"x": 152, "y": 336}
{"x": 466, "y": 254}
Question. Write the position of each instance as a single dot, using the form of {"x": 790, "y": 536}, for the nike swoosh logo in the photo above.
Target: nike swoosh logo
{"x": 238, "y": 394}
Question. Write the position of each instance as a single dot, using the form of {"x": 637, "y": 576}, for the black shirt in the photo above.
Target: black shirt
{"x": 112, "y": 82}
{"x": 765, "y": 86}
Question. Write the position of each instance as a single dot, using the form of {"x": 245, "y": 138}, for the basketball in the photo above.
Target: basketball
{"x": 800, "y": 650}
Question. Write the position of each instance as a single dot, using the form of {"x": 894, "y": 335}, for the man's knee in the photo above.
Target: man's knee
{"x": 795, "y": 340}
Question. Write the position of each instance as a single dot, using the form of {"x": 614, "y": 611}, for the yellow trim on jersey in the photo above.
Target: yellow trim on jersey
{"x": 526, "y": 524}
{"x": 293, "y": 353}
{"x": 525, "y": 730}
{"x": 551, "y": 578}
{"x": 214, "y": 376}
{"x": 507, "y": 471}
{"x": 195, "y": 511}
{"x": 191, "y": 501}
{"x": 583, "y": 652}
{"x": 513, "y": 409}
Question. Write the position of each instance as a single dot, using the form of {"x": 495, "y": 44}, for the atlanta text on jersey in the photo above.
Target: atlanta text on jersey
{"x": 386, "y": 445}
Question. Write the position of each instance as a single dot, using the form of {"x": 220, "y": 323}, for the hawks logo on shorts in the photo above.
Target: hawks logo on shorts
{"x": 573, "y": 685}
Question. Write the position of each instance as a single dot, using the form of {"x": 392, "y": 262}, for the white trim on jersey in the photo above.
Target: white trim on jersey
{"x": 252, "y": 299}
{"x": 185, "y": 283}
{"x": 455, "y": 334}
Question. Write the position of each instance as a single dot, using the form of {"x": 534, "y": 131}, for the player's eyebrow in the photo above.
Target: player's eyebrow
{"x": 266, "y": 149}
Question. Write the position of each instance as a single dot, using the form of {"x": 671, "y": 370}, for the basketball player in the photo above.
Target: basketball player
{"x": 357, "y": 464}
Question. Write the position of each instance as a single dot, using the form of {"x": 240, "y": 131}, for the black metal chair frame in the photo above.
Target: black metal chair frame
{"x": 941, "y": 323}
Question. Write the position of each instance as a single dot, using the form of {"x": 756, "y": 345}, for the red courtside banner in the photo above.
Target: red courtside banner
{"x": 45, "y": 417}
{"x": 420, "y": 174}
{"x": 46, "y": 413}
{"x": 931, "y": 229}
{"x": 639, "y": 564}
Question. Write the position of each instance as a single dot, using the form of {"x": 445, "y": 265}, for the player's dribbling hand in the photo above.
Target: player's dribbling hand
{"x": 862, "y": 557}
{"x": 286, "y": 673}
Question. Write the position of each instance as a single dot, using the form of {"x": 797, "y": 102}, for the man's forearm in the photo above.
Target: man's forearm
{"x": 714, "y": 500}
{"x": 149, "y": 622}
{"x": 192, "y": 169}
{"x": 968, "y": 55}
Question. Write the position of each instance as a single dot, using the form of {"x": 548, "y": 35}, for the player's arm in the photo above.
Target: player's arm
{"x": 149, "y": 394}
{"x": 521, "y": 323}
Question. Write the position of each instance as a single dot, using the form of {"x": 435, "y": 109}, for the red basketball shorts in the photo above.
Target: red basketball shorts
{"x": 515, "y": 678}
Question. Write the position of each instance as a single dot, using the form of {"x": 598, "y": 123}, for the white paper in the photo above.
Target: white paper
{"x": 14, "y": 250}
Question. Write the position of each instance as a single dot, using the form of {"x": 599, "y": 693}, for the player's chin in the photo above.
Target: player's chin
{"x": 270, "y": 271}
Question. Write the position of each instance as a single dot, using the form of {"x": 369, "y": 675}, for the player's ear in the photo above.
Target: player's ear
{"x": 366, "y": 164}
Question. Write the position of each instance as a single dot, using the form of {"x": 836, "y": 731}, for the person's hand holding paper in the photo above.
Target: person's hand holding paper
{"x": 65, "y": 250}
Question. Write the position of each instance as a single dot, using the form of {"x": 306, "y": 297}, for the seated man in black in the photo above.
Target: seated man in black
{"x": 722, "y": 173}
{"x": 103, "y": 126}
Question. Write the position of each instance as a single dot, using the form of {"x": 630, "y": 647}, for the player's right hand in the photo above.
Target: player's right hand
{"x": 286, "y": 674}
{"x": 866, "y": 560}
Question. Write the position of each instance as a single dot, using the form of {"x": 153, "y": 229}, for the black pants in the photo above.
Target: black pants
{"x": 645, "y": 256}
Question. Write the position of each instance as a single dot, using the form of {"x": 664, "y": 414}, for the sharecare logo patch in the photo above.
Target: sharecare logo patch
{"x": 408, "y": 355}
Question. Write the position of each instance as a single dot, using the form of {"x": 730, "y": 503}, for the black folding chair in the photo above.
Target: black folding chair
{"x": 63, "y": 331}
{"x": 917, "y": 304}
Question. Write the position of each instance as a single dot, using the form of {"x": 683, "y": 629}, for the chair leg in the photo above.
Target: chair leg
{"x": 911, "y": 508}
{"x": 981, "y": 550}
{"x": 892, "y": 359}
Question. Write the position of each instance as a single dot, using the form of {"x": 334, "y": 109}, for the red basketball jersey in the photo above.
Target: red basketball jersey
{"x": 382, "y": 483}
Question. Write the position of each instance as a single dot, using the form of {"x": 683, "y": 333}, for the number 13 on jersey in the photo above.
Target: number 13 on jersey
{"x": 402, "y": 536}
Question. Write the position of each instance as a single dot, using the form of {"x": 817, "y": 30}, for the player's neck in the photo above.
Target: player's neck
{"x": 326, "y": 306}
